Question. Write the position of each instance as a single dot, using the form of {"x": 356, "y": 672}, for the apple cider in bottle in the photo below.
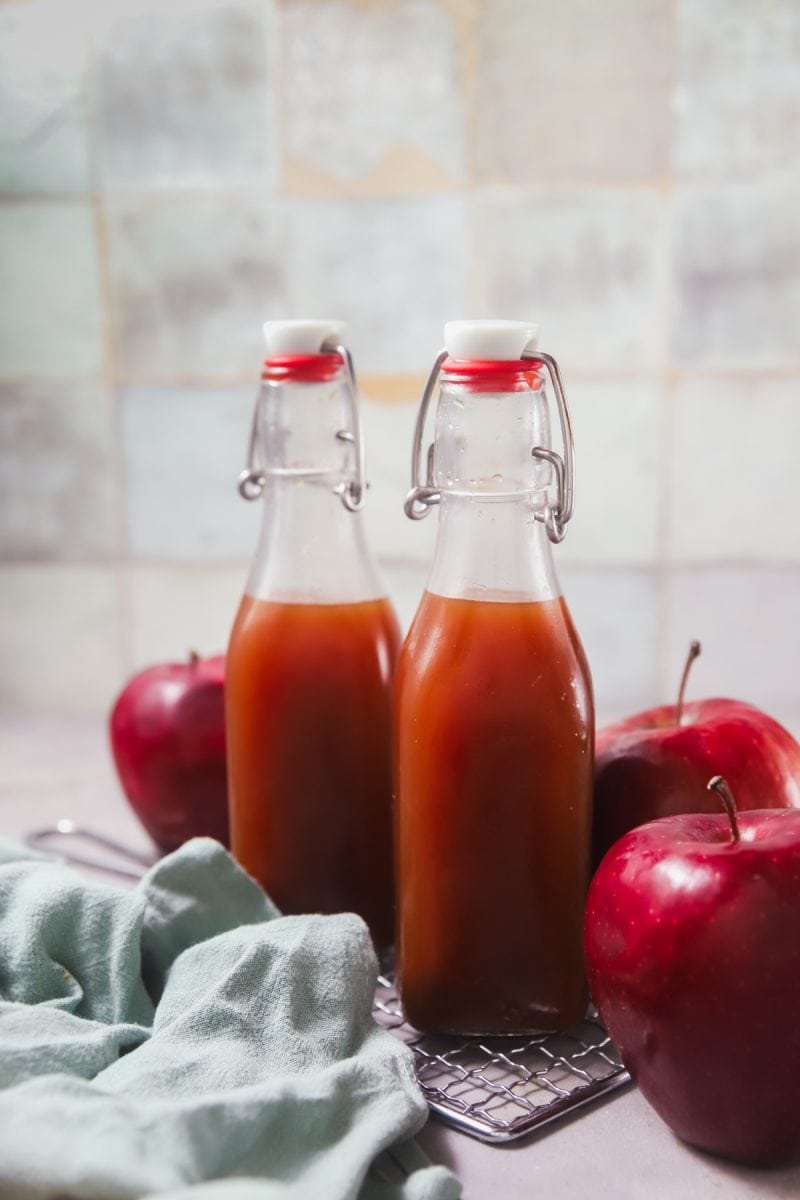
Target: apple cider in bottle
{"x": 313, "y": 647}
{"x": 493, "y": 708}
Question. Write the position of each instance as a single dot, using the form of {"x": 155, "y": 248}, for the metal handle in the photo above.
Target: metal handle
{"x": 557, "y": 516}
{"x": 252, "y": 478}
{"x": 423, "y": 496}
{"x": 351, "y": 492}
{"x": 66, "y": 830}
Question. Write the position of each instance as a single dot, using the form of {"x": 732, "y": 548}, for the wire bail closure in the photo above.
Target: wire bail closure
{"x": 423, "y": 496}
{"x": 351, "y": 492}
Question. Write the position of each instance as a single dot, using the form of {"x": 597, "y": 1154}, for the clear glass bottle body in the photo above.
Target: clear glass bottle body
{"x": 493, "y": 739}
{"x": 309, "y": 671}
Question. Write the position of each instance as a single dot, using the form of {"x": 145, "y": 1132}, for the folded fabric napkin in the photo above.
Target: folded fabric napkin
{"x": 184, "y": 1040}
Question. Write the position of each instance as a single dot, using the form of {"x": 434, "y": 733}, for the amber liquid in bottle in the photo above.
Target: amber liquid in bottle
{"x": 310, "y": 754}
{"x": 494, "y": 730}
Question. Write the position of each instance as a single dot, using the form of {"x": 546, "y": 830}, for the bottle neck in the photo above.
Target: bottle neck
{"x": 492, "y": 550}
{"x": 491, "y": 542}
{"x": 312, "y": 549}
{"x": 299, "y": 426}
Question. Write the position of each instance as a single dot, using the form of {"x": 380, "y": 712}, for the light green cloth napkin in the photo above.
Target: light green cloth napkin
{"x": 185, "y": 1040}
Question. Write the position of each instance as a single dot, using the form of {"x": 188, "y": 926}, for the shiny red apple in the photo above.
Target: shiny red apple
{"x": 168, "y": 741}
{"x": 656, "y": 763}
{"x": 692, "y": 942}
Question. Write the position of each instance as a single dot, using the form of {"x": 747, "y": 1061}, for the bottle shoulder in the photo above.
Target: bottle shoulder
{"x": 499, "y": 628}
{"x": 484, "y": 668}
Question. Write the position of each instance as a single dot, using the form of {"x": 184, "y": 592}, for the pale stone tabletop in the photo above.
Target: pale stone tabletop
{"x": 54, "y": 766}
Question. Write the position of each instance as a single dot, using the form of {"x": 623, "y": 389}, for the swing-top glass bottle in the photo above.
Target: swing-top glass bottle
{"x": 493, "y": 707}
{"x": 312, "y": 652}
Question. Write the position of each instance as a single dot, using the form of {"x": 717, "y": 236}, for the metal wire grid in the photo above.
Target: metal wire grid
{"x": 498, "y": 1089}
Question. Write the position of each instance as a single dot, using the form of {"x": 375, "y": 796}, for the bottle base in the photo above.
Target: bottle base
{"x": 441, "y": 1026}
{"x": 487, "y": 1032}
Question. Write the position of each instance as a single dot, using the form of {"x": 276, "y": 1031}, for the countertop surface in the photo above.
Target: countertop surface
{"x": 57, "y": 766}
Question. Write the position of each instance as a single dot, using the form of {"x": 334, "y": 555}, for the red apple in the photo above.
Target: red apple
{"x": 692, "y": 940}
{"x": 168, "y": 741}
{"x": 656, "y": 763}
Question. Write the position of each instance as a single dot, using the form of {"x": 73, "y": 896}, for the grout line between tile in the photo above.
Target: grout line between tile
{"x": 123, "y": 600}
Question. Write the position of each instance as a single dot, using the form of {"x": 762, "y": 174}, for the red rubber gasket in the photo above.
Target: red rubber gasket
{"x": 302, "y": 368}
{"x": 491, "y": 375}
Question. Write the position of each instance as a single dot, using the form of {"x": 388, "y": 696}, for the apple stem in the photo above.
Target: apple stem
{"x": 194, "y": 658}
{"x": 694, "y": 652}
{"x": 719, "y": 785}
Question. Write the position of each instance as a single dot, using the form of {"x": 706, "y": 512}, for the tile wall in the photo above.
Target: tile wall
{"x": 172, "y": 174}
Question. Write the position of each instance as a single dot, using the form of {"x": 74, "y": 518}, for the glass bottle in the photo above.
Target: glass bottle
{"x": 493, "y": 708}
{"x": 313, "y": 648}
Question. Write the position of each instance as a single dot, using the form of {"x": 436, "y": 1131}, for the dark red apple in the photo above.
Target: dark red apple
{"x": 168, "y": 740}
{"x": 656, "y": 763}
{"x": 692, "y": 941}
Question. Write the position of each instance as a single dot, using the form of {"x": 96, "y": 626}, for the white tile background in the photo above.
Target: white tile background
{"x": 186, "y": 273}
{"x": 51, "y": 321}
{"x": 172, "y": 83}
{"x": 183, "y": 451}
{"x": 350, "y": 106}
{"x": 625, "y": 173}
{"x": 591, "y": 262}
{"x": 394, "y": 268}
{"x": 43, "y": 102}
{"x": 568, "y": 92}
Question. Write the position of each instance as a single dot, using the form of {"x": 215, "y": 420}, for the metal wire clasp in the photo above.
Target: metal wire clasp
{"x": 557, "y": 516}
{"x": 252, "y": 478}
{"x": 423, "y": 496}
{"x": 351, "y": 492}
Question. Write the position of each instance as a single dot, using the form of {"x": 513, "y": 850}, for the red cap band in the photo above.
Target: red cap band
{"x": 301, "y": 368}
{"x": 490, "y": 375}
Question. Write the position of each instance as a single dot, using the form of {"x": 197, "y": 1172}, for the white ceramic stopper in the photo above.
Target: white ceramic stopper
{"x": 500, "y": 340}
{"x": 300, "y": 337}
